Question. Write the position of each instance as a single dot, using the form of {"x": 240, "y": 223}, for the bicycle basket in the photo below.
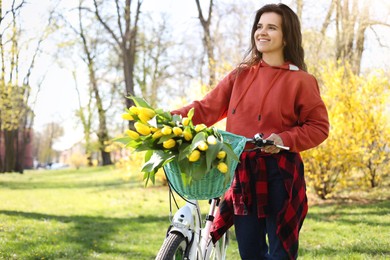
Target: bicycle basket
{"x": 213, "y": 184}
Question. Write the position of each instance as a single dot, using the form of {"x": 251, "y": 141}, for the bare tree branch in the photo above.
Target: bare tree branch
{"x": 110, "y": 31}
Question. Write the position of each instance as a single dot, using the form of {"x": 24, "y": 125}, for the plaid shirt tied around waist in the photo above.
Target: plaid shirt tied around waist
{"x": 238, "y": 199}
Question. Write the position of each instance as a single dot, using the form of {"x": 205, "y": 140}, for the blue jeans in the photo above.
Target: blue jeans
{"x": 251, "y": 231}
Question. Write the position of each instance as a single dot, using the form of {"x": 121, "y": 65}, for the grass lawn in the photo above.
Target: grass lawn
{"x": 96, "y": 214}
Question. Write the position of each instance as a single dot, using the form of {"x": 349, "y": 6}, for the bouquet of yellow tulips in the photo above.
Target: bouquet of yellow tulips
{"x": 167, "y": 138}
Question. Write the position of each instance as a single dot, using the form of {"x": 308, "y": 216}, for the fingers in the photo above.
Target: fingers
{"x": 272, "y": 148}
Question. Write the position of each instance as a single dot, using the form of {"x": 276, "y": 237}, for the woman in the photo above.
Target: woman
{"x": 270, "y": 93}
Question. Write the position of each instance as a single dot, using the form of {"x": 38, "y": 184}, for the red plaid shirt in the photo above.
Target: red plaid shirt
{"x": 239, "y": 198}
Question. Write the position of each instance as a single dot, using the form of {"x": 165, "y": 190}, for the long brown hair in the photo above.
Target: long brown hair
{"x": 291, "y": 28}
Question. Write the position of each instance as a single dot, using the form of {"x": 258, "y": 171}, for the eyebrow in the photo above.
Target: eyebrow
{"x": 270, "y": 24}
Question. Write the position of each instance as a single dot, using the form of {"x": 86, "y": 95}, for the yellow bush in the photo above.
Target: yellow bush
{"x": 359, "y": 132}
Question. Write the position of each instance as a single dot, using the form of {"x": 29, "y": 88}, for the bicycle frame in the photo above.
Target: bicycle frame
{"x": 188, "y": 221}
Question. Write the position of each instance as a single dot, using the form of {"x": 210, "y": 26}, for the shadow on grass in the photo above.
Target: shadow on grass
{"x": 86, "y": 234}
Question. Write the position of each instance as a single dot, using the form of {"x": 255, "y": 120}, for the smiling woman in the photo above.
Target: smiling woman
{"x": 270, "y": 92}
{"x": 269, "y": 38}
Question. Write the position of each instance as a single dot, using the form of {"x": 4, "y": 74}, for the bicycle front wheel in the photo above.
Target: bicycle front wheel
{"x": 173, "y": 248}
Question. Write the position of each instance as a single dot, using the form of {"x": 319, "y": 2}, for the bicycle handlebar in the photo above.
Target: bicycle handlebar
{"x": 260, "y": 142}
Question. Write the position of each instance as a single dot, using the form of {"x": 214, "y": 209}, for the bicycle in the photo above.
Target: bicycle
{"x": 186, "y": 237}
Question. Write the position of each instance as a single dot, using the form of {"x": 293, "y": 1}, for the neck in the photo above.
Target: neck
{"x": 273, "y": 60}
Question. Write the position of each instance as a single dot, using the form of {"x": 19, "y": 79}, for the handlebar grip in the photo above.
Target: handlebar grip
{"x": 259, "y": 142}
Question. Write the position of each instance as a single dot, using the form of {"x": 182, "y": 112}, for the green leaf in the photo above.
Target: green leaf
{"x": 229, "y": 152}
{"x": 211, "y": 153}
{"x": 199, "y": 138}
{"x": 199, "y": 169}
{"x": 166, "y": 137}
{"x": 155, "y": 161}
{"x": 148, "y": 155}
{"x": 140, "y": 102}
{"x": 195, "y": 170}
{"x": 151, "y": 176}
{"x": 164, "y": 114}
{"x": 184, "y": 151}
{"x": 146, "y": 145}
{"x": 123, "y": 140}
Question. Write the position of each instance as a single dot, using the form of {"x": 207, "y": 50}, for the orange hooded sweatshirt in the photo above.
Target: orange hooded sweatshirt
{"x": 266, "y": 99}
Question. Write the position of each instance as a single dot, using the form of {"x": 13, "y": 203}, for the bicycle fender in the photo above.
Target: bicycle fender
{"x": 183, "y": 222}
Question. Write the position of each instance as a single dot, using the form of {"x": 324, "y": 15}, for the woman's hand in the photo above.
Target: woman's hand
{"x": 272, "y": 148}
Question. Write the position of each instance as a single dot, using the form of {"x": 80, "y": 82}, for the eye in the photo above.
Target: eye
{"x": 259, "y": 26}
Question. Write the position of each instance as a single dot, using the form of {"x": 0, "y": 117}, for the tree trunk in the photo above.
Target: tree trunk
{"x": 10, "y": 153}
{"x": 208, "y": 42}
{"x": 126, "y": 42}
{"x": 102, "y": 130}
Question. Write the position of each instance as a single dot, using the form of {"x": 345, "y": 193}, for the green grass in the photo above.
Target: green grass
{"x": 97, "y": 214}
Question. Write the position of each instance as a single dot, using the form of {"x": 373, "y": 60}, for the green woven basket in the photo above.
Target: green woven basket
{"x": 213, "y": 184}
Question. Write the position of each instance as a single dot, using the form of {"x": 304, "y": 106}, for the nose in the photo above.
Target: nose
{"x": 261, "y": 31}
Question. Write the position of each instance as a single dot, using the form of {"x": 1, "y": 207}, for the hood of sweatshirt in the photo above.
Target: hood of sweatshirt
{"x": 286, "y": 66}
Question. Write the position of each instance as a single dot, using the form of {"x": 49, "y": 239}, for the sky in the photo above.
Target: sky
{"x": 57, "y": 98}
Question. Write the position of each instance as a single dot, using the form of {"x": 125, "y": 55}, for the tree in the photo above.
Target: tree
{"x": 89, "y": 59}
{"x": 16, "y": 115}
{"x": 153, "y": 61}
{"x": 85, "y": 114}
{"x": 123, "y": 30}
{"x": 350, "y": 20}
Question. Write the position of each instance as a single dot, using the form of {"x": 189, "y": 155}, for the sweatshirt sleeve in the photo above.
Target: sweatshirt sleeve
{"x": 313, "y": 125}
{"x": 213, "y": 106}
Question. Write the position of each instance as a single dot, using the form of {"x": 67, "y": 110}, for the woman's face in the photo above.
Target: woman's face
{"x": 269, "y": 36}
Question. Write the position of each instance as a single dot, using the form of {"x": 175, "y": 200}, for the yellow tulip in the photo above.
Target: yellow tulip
{"x": 170, "y": 143}
{"x": 203, "y": 146}
{"x": 185, "y": 121}
{"x": 127, "y": 116}
{"x": 133, "y": 134}
{"x": 221, "y": 154}
{"x": 166, "y": 130}
{"x": 157, "y": 134}
{"x": 194, "y": 156}
{"x": 222, "y": 167}
{"x": 187, "y": 135}
{"x": 200, "y": 127}
{"x": 143, "y": 117}
{"x": 134, "y": 110}
{"x": 150, "y": 113}
{"x": 145, "y": 114}
{"x": 142, "y": 128}
{"x": 177, "y": 131}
